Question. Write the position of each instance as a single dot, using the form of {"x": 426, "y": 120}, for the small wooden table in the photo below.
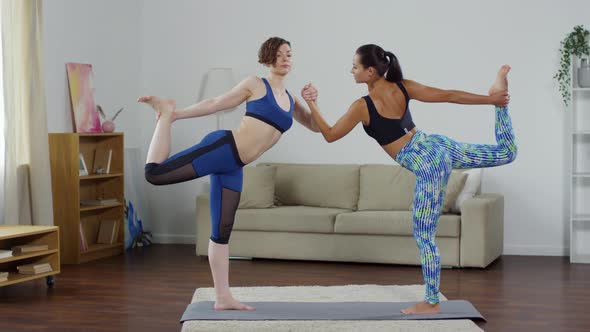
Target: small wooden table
{"x": 16, "y": 235}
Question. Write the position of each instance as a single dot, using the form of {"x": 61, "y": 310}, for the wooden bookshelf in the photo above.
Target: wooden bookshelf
{"x": 69, "y": 188}
{"x": 100, "y": 176}
{"x": 11, "y": 236}
{"x": 99, "y": 207}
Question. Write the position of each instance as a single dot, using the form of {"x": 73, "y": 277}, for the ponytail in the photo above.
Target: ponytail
{"x": 394, "y": 71}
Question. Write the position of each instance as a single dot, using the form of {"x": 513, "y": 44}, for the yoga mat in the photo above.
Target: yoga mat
{"x": 453, "y": 309}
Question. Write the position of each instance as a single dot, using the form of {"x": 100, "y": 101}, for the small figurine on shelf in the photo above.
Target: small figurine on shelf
{"x": 108, "y": 126}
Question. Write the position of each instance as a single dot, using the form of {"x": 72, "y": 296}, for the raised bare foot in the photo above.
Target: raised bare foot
{"x": 501, "y": 83}
{"x": 230, "y": 304}
{"x": 422, "y": 308}
{"x": 162, "y": 106}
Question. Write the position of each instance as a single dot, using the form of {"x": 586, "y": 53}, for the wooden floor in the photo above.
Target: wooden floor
{"x": 149, "y": 288}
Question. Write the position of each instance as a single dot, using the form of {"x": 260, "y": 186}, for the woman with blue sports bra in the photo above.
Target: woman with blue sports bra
{"x": 222, "y": 154}
{"x": 386, "y": 117}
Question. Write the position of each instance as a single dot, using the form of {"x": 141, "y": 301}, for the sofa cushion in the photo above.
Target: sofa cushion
{"x": 333, "y": 186}
{"x": 391, "y": 223}
{"x": 385, "y": 187}
{"x": 259, "y": 188}
{"x": 454, "y": 187}
{"x": 288, "y": 219}
{"x": 471, "y": 188}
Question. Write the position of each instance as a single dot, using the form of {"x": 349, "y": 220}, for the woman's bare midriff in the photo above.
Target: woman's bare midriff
{"x": 395, "y": 147}
{"x": 253, "y": 138}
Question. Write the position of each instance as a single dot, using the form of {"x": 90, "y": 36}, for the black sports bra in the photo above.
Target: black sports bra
{"x": 385, "y": 130}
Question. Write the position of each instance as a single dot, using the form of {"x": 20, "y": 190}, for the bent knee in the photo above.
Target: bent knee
{"x": 511, "y": 153}
{"x": 153, "y": 179}
{"x": 150, "y": 176}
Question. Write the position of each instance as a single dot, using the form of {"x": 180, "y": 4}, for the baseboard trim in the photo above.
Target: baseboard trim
{"x": 173, "y": 239}
{"x": 533, "y": 250}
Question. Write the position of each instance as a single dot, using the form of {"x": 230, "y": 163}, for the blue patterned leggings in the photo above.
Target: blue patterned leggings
{"x": 431, "y": 158}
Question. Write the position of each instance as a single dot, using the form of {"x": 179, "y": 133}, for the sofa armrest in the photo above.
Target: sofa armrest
{"x": 482, "y": 230}
{"x": 203, "y": 229}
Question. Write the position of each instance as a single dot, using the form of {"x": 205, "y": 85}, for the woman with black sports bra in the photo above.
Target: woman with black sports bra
{"x": 270, "y": 110}
{"x": 386, "y": 117}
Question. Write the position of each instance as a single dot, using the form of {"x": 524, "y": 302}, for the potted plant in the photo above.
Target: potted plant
{"x": 575, "y": 43}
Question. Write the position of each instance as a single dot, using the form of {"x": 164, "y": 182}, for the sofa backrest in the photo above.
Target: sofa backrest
{"x": 354, "y": 187}
{"x": 321, "y": 185}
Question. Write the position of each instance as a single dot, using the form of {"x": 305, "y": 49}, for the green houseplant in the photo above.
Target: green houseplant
{"x": 575, "y": 43}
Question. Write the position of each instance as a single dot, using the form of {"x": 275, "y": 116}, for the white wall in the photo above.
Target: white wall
{"x": 454, "y": 45}
{"x": 106, "y": 35}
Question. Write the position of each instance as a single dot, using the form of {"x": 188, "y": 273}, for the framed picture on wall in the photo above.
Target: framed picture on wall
{"x": 82, "y": 169}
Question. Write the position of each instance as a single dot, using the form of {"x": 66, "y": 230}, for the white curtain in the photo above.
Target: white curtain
{"x": 27, "y": 179}
{"x": 1, "y": 131}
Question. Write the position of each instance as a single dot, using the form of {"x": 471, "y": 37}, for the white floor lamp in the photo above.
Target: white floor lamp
{"x": 218, "y": 81}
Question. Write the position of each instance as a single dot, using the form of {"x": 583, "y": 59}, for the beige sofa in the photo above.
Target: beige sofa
{"x": 350, "y": 213}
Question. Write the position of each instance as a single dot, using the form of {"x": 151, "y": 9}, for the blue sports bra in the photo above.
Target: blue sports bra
{"x": 385, "y": 130}
{"x": 267, "y": 109}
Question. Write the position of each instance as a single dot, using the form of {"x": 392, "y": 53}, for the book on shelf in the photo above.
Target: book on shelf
{"x": 102, "y": 161}
{"x": 94, "y": 202}
{"x": 17, "y": 250}
{"x": 83, "y": 243}
{"x": 115, "y": 232}
{"x": 34, "y": 268}
{"x": 5, "y": 253}
{"x": 107, "y": 232}
{"x": 3, "y": 276}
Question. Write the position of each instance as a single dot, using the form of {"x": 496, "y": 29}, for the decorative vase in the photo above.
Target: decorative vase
{"x": 108, "y": 126}
{"x": 584, "y": 74}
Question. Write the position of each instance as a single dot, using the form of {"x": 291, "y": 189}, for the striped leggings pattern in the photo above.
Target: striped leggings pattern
{"x": 432, "y": 158}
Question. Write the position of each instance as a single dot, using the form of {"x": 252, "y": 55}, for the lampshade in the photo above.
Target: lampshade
{"x": 217, "y": 81}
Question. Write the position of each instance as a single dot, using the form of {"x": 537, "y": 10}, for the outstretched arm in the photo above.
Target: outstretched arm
{"x": 232, "y": 98}
{"x": 433, "y": 95}
{"x": 303, "y": 116}
{"x": 343, "y": 126}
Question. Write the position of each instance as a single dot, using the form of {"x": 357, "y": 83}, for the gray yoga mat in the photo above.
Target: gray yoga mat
{"x": 454, "y": 309}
